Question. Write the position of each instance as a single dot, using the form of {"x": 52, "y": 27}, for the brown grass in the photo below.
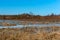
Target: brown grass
{"x": 28, "y": 17}
{"x": 30, "y": 33}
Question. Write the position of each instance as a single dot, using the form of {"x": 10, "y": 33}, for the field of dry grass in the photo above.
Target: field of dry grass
{"x": 30, "y": 33}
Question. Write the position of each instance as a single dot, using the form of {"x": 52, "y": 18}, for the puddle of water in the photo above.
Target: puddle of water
{"x": 28, "y": 25}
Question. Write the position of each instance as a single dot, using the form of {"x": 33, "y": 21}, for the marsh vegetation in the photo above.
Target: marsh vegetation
{"x": 30, "y": 33}
{"x": 38, "y": 27}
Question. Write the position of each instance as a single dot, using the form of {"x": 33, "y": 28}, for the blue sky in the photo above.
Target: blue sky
{"x": 37, "y": 7}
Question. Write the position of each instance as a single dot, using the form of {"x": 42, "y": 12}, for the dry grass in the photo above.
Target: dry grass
{"x": 30, "y": 33}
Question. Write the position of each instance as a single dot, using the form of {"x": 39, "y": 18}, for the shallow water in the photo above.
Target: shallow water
{"x": 18, "y": 25}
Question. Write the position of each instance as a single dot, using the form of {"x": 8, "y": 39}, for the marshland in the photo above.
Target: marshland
{"x": 29, "y": 19}
{"x": 30, "y": 29}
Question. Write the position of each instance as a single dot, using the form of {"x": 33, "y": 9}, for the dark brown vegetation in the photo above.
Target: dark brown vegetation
{"x": 29, "y": 17}
{"x": 30, "y": 33}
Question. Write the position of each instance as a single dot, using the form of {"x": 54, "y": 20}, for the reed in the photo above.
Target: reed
{"x": 30, "y": 33}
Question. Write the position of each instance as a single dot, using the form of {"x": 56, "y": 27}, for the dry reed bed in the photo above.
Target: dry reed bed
{"x": 30, "y": 33}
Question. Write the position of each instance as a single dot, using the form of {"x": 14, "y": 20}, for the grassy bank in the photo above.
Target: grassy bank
{"x": 30, "y": 33}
